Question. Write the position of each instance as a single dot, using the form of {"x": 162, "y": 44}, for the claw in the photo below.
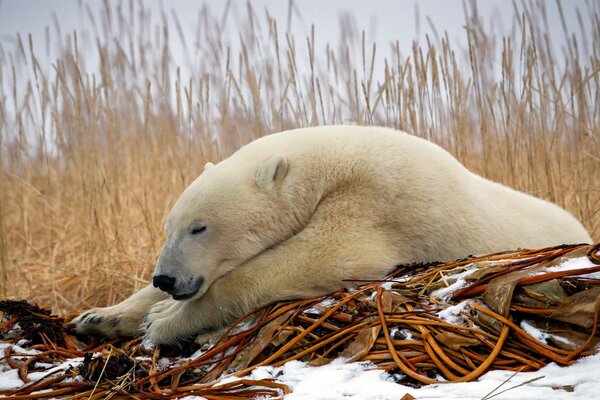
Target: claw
{"x": 95, "y": 320}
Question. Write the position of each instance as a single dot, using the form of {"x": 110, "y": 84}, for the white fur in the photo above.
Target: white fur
{"x": 295, "y": 214}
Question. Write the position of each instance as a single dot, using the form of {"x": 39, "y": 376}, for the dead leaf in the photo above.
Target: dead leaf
{"x": 490, "y": 322}
{"x": 407, "y": 397}
{"x": 579, "y": 309}
{"x": 485, "y": 268}
{"x": 263, "y": 339}
{"x": 566, "y": 388}
{"x": 391, "y": 300}
{"x": 498, "y": 294}
{"x": 455, "y": 341}
{"x": 360, "y": 346}
{"x": 562, "y": 335}
{"x": 550, "y": 293}
{"x": 523, "y": 299}
{"x": 281, "y": 337}
{"x": 317, "y": 362}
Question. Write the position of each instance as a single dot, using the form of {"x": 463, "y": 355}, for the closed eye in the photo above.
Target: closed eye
{"x": 197, "y": 230}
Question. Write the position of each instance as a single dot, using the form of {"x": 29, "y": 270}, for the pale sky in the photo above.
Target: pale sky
{"x": 382, "y": 20}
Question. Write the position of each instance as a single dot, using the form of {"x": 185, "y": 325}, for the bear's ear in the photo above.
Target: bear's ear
{"x": 208, "y": 166}
{"x": 271, "y": 171}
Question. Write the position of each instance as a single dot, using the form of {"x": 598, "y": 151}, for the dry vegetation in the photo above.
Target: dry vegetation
{"x": 94, "y": 153}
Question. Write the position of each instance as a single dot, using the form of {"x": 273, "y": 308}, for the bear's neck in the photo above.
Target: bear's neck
{"x": 318, "y": 176}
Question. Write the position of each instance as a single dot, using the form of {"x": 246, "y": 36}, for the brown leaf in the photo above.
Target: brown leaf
{"x": 317, "y": 362}
{"x": 522, "y": 298}
{"x": 407, "y": 396}
{"x": 263, "y": 339}
{"x": 498, "y": 294}
{"x": 562, "y": 335}
{"x": 489, "y": 322}
{"x": 281, "y": 337}
{"x": 579, "y": 309}
{"x": 361, "y": 345}
{"x": 550, "y": 293}
{"x": 485, "y": 268}
{"x": 391, "y": 300}
{"x": 566, "y": 388}
{"x": 455, "y": 341}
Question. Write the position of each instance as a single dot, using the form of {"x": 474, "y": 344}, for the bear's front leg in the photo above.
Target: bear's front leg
{"x": 300, "y": 268}
{"x": 123, "y": 319}
{"x": 170, "y": 322}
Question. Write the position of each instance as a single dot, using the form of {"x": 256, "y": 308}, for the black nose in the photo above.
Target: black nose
{"x": 164, "y": 283}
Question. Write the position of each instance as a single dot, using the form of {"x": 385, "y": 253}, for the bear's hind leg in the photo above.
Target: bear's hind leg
{"x": 123, "y": 319}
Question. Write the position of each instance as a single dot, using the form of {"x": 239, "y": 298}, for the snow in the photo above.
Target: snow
{"x": 359, "y": 381}
{"x": 9, "y": 379}
{"x": 544, "y": 336}
{"x": 15, "y": 350}
{"x": 320, "y": 307}
{"x": 388, "y": 285}
{"x": 574, "y": 264}
{"x": 534, "y": 332}
{"x": 446, "y": 292}
{"x": 400, "y": 334}
{"x": 454, "y": 314}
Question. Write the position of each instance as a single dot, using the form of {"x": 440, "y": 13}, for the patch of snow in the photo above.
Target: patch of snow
{"x": 564, "y": 340}
{"x": 388, "y": 285}
{"x": 318, "y": 308}
{"x": 543, "y": 336}
{"x": 575, "y": 263}
{"x": 400, "y": 334}
{"x": 71, "y": 363}
{"x": 453, "y": 314}
{"x": 194, "y": 355}
{"x": 446, "y": 292}
{"x": 15, "y": 350}
{"x": 357, "y": 381}
{"x": 147, "y": 343}
{"x": 534, "y": 332}
{"x": 10, "y": 379}
{"x": 163, "y": 363}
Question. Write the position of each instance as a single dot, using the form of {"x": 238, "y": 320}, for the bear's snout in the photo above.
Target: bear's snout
{"x": 179, "y": 289}
{"x": 164, "y": 282}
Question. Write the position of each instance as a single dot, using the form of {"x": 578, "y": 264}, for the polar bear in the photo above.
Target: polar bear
{"x": 299, "y": 213}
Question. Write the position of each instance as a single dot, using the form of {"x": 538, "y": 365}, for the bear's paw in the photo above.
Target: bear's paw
{"x": 167, "y": 323}
{"x": 105, "y": 321}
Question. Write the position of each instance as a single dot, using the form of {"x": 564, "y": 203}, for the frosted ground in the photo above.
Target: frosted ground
{"x": 362, "y": 380}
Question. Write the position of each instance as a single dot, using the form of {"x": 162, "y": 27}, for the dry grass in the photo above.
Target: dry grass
{"x": 93, "y": 158}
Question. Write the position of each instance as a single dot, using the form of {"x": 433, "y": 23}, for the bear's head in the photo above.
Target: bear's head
{"x": 232, "y": 212}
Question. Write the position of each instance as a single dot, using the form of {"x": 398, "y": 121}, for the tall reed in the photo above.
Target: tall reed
{"x": 96, "y": 149}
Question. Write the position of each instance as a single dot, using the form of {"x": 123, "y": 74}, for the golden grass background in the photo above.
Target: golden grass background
{"x": 94, "y": 156}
